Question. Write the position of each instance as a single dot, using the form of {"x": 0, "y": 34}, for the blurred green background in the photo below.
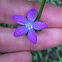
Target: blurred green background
{"x": 54, "y": 2}
{"x": 49, "y": 55}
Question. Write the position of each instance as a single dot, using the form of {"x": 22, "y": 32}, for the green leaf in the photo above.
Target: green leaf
{"x": 35, "y": 56}
{"x": 48, "y": 51}
{"x": 40, "y": 54}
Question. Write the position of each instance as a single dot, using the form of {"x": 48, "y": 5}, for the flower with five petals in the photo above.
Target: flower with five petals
{"x": 29, "y": 25}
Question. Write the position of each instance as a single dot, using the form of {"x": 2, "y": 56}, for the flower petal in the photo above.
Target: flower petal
{"x": 20, "y": 19}
{"x": 40, "y": 25}
{"x": 32, "y": 36}
{"x": 32, "y": 15}
{"x": 20, "y": 31}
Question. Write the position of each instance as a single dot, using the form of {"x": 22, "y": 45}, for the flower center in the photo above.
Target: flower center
{"x": 29, "y": 26}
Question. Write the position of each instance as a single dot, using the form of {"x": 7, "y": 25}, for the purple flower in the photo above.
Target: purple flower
{"x": 29, "y": 25}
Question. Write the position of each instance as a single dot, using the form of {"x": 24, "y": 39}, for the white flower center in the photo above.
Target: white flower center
{"x": 29, "y": 26}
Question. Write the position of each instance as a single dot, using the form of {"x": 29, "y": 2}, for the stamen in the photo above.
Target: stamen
{"x": 29, "y": 26}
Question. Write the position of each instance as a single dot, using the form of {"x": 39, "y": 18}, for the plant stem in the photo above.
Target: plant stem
{"x": 41, "y": 9}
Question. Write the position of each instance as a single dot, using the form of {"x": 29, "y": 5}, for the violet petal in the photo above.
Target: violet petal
{"x": 32, "y": 36}
{"x": 40, "y": 25}
{"x": 20, "y": 31}
{"x": 20, "y": 19}
{"x": 32, "y": 15}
